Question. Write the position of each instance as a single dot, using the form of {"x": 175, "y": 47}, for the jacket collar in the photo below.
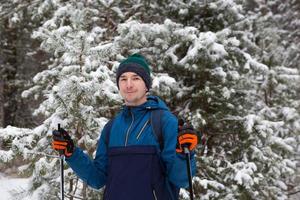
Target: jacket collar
{"x": 153, "y": 102}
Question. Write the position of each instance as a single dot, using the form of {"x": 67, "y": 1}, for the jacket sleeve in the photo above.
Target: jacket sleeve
{"x": 175, "y": 163}
{"x": 91, "y": 171}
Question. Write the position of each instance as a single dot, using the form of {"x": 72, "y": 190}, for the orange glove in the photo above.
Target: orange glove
{"x": 187, "y": 137}
{"x": 62, "y": 142}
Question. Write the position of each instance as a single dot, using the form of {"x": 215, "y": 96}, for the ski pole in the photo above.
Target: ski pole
{"x": 189, "y": 171}
{"x": 61, "y": 152}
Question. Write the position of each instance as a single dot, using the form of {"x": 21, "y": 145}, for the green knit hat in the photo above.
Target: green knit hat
{"x": 135, "y": 63}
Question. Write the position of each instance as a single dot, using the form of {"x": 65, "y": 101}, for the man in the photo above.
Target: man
{"x": 130, "y": 161}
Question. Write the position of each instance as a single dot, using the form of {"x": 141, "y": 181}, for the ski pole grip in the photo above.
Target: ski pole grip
{"x": 61, "y": 152}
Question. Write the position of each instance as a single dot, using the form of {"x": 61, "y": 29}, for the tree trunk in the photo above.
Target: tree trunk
{"x": 1, "y": 104}
{"x": 84, "y": 190}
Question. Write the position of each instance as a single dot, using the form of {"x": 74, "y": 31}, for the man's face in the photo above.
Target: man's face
{"x": 133, "y": 89}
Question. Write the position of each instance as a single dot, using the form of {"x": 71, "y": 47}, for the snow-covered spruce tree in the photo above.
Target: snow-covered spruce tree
{"x": 19, "y": 57}
{"x": 273, "y": 138}
{"x": 282, "y": 19}
{"x": 274, "y": 28}
{"x": 77, "y": 88}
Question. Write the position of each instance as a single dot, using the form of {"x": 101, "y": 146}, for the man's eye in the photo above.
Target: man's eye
{"x": 123, "y": 79}
{"x": 136, "y": 78}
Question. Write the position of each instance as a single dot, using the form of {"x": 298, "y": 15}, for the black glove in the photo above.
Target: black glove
{"x": 62, "y": 142}
{"x": 187, "y": 137}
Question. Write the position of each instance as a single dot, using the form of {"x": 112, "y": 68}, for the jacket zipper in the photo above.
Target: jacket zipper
{"x": 137, "y": 137}
{"x": 127, "y": 134}
{"x": 154, "y": 195}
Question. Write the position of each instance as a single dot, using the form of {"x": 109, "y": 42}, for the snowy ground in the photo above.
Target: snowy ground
{"x": 9, "y": 186}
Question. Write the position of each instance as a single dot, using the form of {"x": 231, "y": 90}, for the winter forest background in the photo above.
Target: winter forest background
{"x": 230, "y": 67}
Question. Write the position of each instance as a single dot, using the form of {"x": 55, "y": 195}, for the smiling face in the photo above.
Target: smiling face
{"x": 133, "y": 89}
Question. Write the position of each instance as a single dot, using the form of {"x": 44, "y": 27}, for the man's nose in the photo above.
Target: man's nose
{"x": 129, "y": 83}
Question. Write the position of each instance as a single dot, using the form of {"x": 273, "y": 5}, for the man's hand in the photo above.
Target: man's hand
{"x": 187, "y": 137}
{"x": 62, "y": 142}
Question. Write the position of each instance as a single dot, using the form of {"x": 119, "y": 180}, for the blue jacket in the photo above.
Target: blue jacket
{"x": 132, "y": 164}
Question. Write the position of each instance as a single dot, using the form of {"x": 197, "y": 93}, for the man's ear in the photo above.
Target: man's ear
{"x": 146, "y": 90}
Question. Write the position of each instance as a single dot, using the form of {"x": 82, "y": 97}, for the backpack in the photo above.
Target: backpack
{"x": 155, "y": 121}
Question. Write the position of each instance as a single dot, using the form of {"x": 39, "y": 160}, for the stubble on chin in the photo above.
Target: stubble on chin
{"x": 135, "y": 100}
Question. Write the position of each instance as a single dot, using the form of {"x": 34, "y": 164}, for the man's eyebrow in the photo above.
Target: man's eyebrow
{"x": 124, "y": 76}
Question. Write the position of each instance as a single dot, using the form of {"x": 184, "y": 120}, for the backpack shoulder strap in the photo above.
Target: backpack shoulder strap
{"x": 156, "y": 124}
{"x": 108, "y": 127}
